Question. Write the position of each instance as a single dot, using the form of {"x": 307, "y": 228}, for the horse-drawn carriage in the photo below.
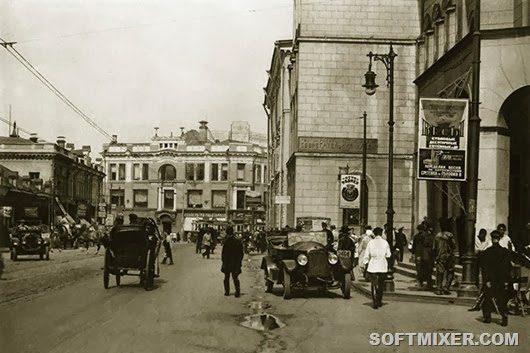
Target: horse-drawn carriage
{"x": 133, "y": 249}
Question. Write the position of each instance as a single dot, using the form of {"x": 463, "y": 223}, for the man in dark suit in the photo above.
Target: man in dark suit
{"x": 495, "y": 263}
{"x": 232, "y": 257}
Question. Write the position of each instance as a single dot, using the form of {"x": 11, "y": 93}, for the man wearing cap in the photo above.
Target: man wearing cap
{"x": 496, "y": 267}
{"x": 232, "y": 257}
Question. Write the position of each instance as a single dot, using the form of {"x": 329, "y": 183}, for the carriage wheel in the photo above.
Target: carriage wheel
{"x": 148, "y": 277}
{"x": 106, "y": 271}
{"x": 286, "y": 285}
{"x": 118, "y": 280}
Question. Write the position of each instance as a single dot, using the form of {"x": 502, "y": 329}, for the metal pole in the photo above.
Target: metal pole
{"x": 389, "y": 283}
{"x": 364, "y": 198}
{"x": 468, "y": 287}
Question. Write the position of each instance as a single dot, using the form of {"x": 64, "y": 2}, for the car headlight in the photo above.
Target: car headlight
{"x": 332, "y": 258}
{"x": 301, "y": 259}
{"x": 23, "y": 242}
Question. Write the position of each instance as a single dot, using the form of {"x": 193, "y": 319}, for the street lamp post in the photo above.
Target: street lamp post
{"x": 370, "y": 88}
{"x": 364, "y": 198}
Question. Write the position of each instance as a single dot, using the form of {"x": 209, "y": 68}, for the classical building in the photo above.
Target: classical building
{"x": 445, "y": 70}
{"x": 68, "y": 175}
{"x": 324, "y": 69}
{"x": 188, "y": 178}
{"x": 314, "y": 98}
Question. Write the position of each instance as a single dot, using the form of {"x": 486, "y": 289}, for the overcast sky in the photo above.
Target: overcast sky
{"x": 132, "y": 65}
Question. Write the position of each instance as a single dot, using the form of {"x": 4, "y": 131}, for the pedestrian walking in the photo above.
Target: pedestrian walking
{"x": 198, "y": 241}
{"x": 232, "y": 257}
{"x": 496, "y": 266}
{"x": 444, "y": 250}
{"x": 400, "y": 243}
{"x": 329, "y": 235}
{"x": 345, "y": 242}
{"x": 167, "y": 248}
{"x": 375, "y": 257}
{"x": 207, "y": 243}
{"x": 361, "y": 249}
{"x": 422, "y": 249}
{"x": 482, "y": 242}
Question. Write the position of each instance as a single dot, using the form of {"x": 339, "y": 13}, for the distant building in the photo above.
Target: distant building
{"x": 185, "y": 179}
{"x": 67, "y": 174}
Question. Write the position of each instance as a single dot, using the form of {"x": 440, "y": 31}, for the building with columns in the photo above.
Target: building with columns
{"x": 187, "y": 178}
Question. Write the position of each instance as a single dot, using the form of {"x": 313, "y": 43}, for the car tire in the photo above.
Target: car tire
{"x": 118, "y": 280}
{"x": 346, "y": 286}
{"x": 149, "y": 275}
{"x": 14, "y": 255}
{"x": 41, "y": 255}
{"x": 47, "y": 254}
{"x": 268, "y": 283}
{"x": 286, "y": 285}
{"x": 106, "y": 272}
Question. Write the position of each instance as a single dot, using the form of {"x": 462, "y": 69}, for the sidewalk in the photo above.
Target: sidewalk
{"x": 406, "y": 289}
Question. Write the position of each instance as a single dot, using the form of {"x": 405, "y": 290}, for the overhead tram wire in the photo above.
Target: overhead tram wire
{"x": 21, "y": 59}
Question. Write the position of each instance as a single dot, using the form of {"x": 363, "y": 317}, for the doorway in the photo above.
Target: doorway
{"x": 516, "y": 113}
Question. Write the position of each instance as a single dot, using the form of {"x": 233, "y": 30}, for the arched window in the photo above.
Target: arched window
{"x": 167, "y": 172}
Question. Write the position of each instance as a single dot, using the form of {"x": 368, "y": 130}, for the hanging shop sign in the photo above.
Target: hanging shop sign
{"x": 442, "y": 139}
{"x": 350, "y": 190}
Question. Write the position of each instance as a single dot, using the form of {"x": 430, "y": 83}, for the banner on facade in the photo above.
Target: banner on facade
{"x": 350, "y": 191}
{"x": 442, "y": 139}
{"x": 253, "y": 198}
{"x": 282, "y": 200}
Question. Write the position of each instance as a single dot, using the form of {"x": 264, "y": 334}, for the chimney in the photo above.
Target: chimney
{"x": 203, "y": 130}
{"x": 181, "y": 131}
{"x": 14, "y": 133}
{"x": 114, "y": 139}
{"x": 33, "y": 137}
{"x": 61, "y": 141}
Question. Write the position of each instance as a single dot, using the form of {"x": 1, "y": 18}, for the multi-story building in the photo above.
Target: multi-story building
{"x": 189, "y": 178}
{"x": 434, "y": 43}
{"x": 67, "y": 174}
{"x": 314, "y": 125}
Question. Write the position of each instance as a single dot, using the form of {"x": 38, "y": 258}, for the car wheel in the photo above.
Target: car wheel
{"x": 106, "y": 272}
{"x": 268, "y": 283}
{"x": 47, "y": 256}
{"x": 41, "y": 255}
{"x": 14, "y": 255}
{"x": 286, "y": 285}
{"x": 118, "y": 280}
{"x": 346, "y": 286}
{"x": 148, "y": 282}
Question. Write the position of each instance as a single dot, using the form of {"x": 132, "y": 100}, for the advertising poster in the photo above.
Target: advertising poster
{"x": 350, "y": 191}
{"x": 442, "y": 139}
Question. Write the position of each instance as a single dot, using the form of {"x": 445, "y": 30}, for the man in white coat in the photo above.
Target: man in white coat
{"x": 375, "y": 256}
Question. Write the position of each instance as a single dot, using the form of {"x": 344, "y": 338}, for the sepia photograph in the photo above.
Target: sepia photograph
{"x": 264, "y": 176}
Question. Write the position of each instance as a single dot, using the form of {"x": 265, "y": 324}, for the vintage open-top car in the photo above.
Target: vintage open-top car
{"x": 132, "y": 249}
{"x": 27, "y": 239}
{"x": 303, "y": 260}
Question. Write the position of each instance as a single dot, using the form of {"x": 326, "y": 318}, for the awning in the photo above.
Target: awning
{"x": 63, "y": 210}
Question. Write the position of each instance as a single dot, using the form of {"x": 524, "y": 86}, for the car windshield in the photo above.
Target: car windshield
{"x": 318, "y": 237}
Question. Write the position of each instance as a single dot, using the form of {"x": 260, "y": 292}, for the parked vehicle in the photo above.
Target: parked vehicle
{"x": 133, "y": 249}
{"x": 301, "y": 260}
{"x": 27, "y": 239}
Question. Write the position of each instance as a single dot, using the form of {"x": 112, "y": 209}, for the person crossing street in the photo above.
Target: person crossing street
{"x": 375, "y": 257}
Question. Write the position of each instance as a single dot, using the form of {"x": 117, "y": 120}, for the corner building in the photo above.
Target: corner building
{"x": 328, "y": 61}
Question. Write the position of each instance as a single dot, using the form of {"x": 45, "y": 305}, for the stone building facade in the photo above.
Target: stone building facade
{"x": 67, "y": 174}
{"x": 188, "y": 178}
{"x": 326, "y": 98}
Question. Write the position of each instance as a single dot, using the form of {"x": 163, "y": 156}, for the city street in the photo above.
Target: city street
{"x": 187, "y": 312}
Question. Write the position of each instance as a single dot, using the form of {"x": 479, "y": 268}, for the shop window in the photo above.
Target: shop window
{"x": 117, "y": 197}
{"x": 195, "y": 198}
{"x": 140, "y": 198}
{"x": 218, "y": 198}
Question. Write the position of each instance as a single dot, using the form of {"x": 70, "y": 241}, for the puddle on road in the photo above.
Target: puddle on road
{"x": 258, "y": 307}
{"x": 262, "y": 322}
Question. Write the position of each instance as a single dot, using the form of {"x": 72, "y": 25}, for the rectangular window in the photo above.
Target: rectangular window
{"x": 240, "y": 200}
{"x": 195, "y": 198}
{"x": 113, "y": 172}
{"x": 140, "y": 198}
{"x": 218, "y": 198}
{"x": 190, "y": 171}
{"x": 215, "y": 172}
{"x": 241, "y": 171}
{"x": 265, "y": 176}
{"x": 121, "y": 171}
{"x": 34, "y": 175}
{"x": 136, "y": 171}
{"x": 117, "y": 197}
{"x": 199, "y": 170}
{"x": 169, "y": 199}
{"x": 145, "y": 171}
{"x": 258, "y": 173}
{"x": 224, "y": 171}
